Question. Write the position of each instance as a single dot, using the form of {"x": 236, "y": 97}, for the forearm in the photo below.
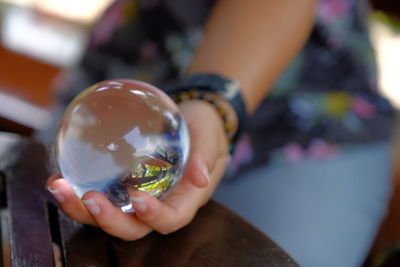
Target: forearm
{"x": 252, "y": 41}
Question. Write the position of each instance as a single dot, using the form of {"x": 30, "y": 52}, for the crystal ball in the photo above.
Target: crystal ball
{"x": 119, "y": 136}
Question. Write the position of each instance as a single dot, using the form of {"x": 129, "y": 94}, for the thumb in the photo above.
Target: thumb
{"x": 208, "y": 141}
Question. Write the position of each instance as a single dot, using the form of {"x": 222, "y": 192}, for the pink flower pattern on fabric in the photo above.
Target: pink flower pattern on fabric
{"x": 293, "y": 152}
{"x": 362, "y": 108}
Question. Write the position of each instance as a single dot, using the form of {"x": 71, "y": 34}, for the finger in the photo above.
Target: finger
{"x": 161, "y": 216}
{"x": 178, "y": 208}
{"x": 112, "y": 220}
{"x": 52, "y": 178}
{"x": 197, "y": 171}
{"x": 206, "y": 150}
{"x": 203, "y": 161}
{"x": 69, "y": 201}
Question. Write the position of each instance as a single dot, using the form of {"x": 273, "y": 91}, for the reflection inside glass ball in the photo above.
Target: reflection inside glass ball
{"x": 122, "y": 135}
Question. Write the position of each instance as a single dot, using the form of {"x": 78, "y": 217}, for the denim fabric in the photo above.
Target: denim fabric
{"x": 322, "y": 212}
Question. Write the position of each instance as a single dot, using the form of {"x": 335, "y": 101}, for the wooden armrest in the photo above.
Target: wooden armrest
{"x": 216, "y": 237}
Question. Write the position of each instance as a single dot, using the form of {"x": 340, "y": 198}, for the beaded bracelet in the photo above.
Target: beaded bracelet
{"x": 223, "y": 94}
{"x": 222, "y": 107}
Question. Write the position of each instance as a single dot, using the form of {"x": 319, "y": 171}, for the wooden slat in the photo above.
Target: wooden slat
{"x": 83, "y": 246}
{"x": 26, "y": 78}
{"x": 14, "y": 127}
{"x": 28, "y": 224}
{"x": 29, "y": 84}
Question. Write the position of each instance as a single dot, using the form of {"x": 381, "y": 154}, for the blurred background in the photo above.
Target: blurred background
{"x": 39, "y": 39}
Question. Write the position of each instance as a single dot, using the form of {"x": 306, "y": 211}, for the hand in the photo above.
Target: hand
{"x": 206, "y": 165}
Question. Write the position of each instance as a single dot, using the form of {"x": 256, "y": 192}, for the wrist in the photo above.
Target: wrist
{"x": 202, "y": 116}
{"x": 223, "y": 94}
{"x": 221, "y": 107}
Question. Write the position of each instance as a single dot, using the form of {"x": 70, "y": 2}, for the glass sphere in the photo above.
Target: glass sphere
{"x": 122, "y": 135}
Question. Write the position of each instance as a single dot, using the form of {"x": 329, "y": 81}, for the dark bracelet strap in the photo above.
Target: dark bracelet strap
{"x": 193, "y": 86}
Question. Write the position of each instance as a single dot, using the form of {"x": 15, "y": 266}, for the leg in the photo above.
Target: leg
{"x": 322, "y": 212}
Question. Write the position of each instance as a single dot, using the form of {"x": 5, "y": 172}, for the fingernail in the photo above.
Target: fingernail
{"x": 92, "y": 206}
{"x": 56, "y": 194}
{"x": 205, "y": 172}
{"x": 139, "y": 204}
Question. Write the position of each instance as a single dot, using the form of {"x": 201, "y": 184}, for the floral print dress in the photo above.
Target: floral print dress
{"x": 326, "y": 99}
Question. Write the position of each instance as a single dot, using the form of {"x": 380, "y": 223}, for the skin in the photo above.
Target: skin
{"x": 250, "y": 41}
